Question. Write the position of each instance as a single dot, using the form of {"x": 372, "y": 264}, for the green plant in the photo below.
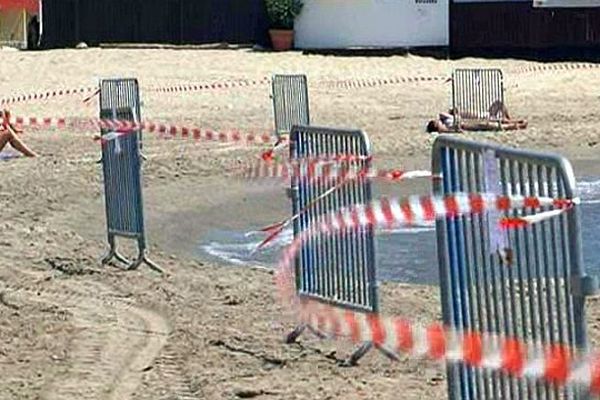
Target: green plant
{"x": 283, "y": 12}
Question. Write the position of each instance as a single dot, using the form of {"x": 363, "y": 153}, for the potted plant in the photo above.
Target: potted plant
{"x": 282, "y": 14}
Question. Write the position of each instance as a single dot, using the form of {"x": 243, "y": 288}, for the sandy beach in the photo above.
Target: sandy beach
{"x": 72, "y": 329}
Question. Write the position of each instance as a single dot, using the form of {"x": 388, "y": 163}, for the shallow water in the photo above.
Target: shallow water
{"x": 404, "y": 255}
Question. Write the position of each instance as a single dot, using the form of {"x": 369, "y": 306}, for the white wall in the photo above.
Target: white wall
{"x": 380, "y": 23}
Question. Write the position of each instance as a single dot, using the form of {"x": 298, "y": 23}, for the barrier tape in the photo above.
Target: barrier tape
{"x": 195, "y": 87}
{"x": 122, "y": 127}
{"x": 556, "y": 67}
{"x": 275, "y": 229}
{"x": 46, "y": 95}
{"x": 416, "y": 210}
{"x": 179, "y": 88}
{"x": 348, "y": 83}
{"x": 555, "y": 364}
{"x": 372, "y": 82}
{"x": 324, "y": 168}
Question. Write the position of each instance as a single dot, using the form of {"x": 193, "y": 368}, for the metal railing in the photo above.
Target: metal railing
{"x": 538, "y": 296}
{"x": 477, "y": 94}
{"x": 290, "y": 102}
{"x": 121, "y": 166}
{"x": 337, "y": 268}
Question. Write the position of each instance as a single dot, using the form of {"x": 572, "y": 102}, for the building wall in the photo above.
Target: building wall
{"x": 372, "y": 23}
{"x": 477, "y": 26}
{"x": 68, "y": 22}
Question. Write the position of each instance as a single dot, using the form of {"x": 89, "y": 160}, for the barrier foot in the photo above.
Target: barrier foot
{"x": 121, "y": 258}
{"x": 358, "y": 354}
{"x": 113, "y": 253}
{"x": 317, "y": 333}
{"x": 143, "y": 259}
{"x": 153, "y": 266}
{"x": 106, "y": 259}
{"x": 292, "y": 336}
{"x": 388, "y": 353}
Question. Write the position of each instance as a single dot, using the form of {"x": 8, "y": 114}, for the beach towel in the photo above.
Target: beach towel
{"x": 8, "y": 155}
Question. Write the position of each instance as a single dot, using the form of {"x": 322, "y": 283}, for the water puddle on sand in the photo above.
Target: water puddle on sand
{"x": 404, "y": 255}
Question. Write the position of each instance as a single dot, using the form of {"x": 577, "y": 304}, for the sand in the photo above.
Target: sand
{"x": 71, "y": 329}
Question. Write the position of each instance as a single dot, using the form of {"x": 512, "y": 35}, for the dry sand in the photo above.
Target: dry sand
{"x": 70, "y": 329}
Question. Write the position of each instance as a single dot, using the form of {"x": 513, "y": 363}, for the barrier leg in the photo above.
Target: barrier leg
{"x": 364, "y": 349}
{"x": 112, "y": 251}
{"x": 119, "y": 257}
{"x": 143, "y": 258}
{"x": 388, "y": 353}
{"x": 292, "y": 336}
{"x": 358, "y": 354}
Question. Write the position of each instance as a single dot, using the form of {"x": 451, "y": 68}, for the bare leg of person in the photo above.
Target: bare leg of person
{"x": 16, "y": 143}
{"x": 4, "y": 139}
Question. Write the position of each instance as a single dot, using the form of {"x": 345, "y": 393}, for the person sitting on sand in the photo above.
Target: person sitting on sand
{"x": 496, "y": 118}
{"x": 8, "y": 134}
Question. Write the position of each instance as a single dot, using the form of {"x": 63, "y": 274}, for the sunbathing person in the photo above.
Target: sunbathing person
{"x": 8, "y": 135}
{"x": 497, "y": 118}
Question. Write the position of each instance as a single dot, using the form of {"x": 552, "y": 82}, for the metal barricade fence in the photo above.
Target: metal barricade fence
{"x": 477, "y": 94}
{"x": 339, "y": 268}
{"x": 290, "y": 102}
{"x": 540, "y": 296}
{"x": 121, "y": 165}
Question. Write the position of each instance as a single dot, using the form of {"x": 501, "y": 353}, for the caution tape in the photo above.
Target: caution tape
{"x": 122, "y": 127}
{"x": 325, "y": 168}
{"x": 557, "y": 67}
{"x": 216, "y": 85}
{"x": 177, "y": 88}
{"x": 373, "y": 82}
{"x": 419, "y": 210}
{"x": 195, "y": 87}
{"x": 240, "y": 83}
{"x": 275, "y": 229}
{"x": 46, "y": 95}
{"x": 553, "y": 363}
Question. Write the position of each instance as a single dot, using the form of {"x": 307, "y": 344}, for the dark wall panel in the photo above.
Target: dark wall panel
{"x": 517, "y": 25}
{"x": 67, "y": 22}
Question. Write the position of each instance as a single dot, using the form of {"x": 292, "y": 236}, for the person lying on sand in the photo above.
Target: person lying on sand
{"x": 497, "y": 118}
{"x": 8, "y": 134}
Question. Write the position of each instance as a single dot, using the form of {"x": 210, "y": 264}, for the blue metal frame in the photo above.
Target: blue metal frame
{"x": 121, "y": 166}
{"x": 541, "y": 297}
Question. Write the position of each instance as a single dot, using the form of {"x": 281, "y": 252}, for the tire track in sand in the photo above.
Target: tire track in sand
{"x": 116, "y": 342}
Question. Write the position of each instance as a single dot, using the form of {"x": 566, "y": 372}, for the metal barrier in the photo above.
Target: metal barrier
{"x": 290, "y": 102}
{"x": 121, "y": 165}
{"x": 540, "y": 296}
{"x": 337, "y": 269}
{"x": 477, "y": 94}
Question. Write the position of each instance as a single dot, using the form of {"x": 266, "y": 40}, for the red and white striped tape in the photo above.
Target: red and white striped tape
{"x": 122, "y": 127}
{"x": 179, "y": 88}
{"x": 556, "y": 364}
{"x": 217, "y": 85}
{"x": 196, "y": 87}
{"x": 338, "y": 182}
{"x": 557, "y": 67}
{"x": 418, "y": 210}
{"x": 325, "y": 168}
{"x": 373, "y": 82}
{"x": 46, "y": 95}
